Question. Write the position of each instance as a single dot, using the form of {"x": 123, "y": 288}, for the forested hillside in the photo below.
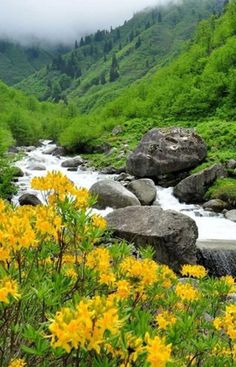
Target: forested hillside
{"x": 17, "y": 62}
{"x": 197, "y": 89}
{"x": 103, "y": 64}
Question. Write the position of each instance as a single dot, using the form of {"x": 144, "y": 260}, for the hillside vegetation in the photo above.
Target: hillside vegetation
{"x": 103, "y": 64}
{"x": 17, "y": 62}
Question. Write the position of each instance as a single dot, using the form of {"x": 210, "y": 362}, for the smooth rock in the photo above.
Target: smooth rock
{"x": 231, "y": 215}
{"x": 36, "y": 167}
{"x": 193, "y": 188}
{"x": 29, "y": 199}
{"x": 72, "y": 162}
{"x": 216, "y": 205}
{"x": 173, "y": 235}
{"x": 112, "y": 194}
{"x": 144, "y": 189}
{"x": 30, "y": 148}
{"x": 166, "y": 151}
{"x": 117, "y": 130}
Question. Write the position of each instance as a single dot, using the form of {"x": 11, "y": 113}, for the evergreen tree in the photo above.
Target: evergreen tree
{"x": 138, "y": 43}
{"x": 76, "y": 45}
{"x": 114, "y": 70}
{"x": 103, "y": 78}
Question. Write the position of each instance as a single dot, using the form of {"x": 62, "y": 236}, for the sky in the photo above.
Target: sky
{"x": 64, "y": 20}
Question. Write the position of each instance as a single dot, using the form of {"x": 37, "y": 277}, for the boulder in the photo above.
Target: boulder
{"x": 30, "y": 148}
{"x": 215, "y": 205}
{"x": 231, "y": 215}
{"x": 72, "y": 162}
{"x": 112, "y": 194}
{"x": 172, "y": 235}
{"x": 36, "y": 167}
{"x": 17, "y": 172}
{"x": 193, "y": 188}
{"x": 231, "y": 164}
{"x": 117, "y": 130}
{"x": 29, "y": 199}
{"x": 166, "y": 151}
{"x": 144, "y": 189}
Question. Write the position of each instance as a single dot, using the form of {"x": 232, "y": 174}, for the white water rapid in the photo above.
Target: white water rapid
{"x": 212, "y": 227}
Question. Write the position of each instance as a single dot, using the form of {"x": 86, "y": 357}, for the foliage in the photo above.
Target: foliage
{"x": 224, "y": 189}
{"x": 68, "y": 300}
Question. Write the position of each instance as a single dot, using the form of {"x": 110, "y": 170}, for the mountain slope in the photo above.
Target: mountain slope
{"x": 18, "y": 62}
{"x": 105, "y": 63}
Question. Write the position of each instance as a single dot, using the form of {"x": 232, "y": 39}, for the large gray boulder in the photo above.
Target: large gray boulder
{"x": 231, "y": 215}
{"x": 29, "y": 199}
{"x": 73, "y": 162}
{"x": 112, "y": 194}
{"x": 166, "y": 151}
{"x": 173, "y": 235}
{"x": 193, "y": 188}
{"x": 144, "y": 189}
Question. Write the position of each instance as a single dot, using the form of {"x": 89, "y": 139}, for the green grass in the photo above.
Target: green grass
{"x": 224, "y": 189}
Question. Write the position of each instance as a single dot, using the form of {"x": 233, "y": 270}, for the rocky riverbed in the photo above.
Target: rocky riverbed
{"x": 215, "y": 232}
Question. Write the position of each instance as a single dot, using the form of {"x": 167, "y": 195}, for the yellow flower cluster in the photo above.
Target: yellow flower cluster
{"x": 186, "y": 292}
{"x": 86, "y": 326}
{"x": 57, "y": 186}
{"x": 143, "y": 270}
{"x": 158, "y": 352}
{"x": 47, "y": 222}
{"x": 195, "y": 271}
{"x": 99, "y": 222}
{"x": 227, "y": 322}
{"x": 165, "y": 320}
{"x": 8, "y": 287}
{"x": 19, "y": 362}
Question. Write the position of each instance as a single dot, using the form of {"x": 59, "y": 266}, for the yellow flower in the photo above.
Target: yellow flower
{"x": 195, "y": 271}
{"x": 217, "y": 323}
{"x": 123, "y": 289}
{"x": 165, "y": 319}
{"x": 99, "y": 259}
{"x": 186, "y": 292}
{"x": 107, "y": 278}
{"x": 99, "y": 222}
{"x": 17, "y": 363}
{"x": 8, "y": 287}
{"x": 158, "y": 352}
{"x": 4, "y": 254}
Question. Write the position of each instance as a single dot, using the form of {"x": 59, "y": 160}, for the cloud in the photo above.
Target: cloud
{"x": 64, "y": 20}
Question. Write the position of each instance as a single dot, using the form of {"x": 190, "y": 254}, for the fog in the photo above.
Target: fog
{"x": 64, "y": 20}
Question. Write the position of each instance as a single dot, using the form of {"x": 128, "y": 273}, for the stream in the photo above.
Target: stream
{"x": 214, "y": 229}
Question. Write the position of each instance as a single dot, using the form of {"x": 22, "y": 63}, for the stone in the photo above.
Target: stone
{"x": 112, "y": 194}
{"x": 117, "y": 130}
{"x": 30, "y": 148}
{"x": 17, "y": 172}
{"x": 144, "y": 189}
{"x": 192, "y": 189}
{"x": 166, "y": 151}
{"x": 29, "y": 199}
{"x": 231, "y": 164}
{"x": 231, "y": 215}
{"x": 173, "y": 235}
{"x": 73, "y": 162}
{"x": 215, "y": 205}
{"x": 36, "y": 167}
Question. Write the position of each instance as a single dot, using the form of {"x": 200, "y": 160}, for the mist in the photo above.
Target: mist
{"x": 64, "y": 21}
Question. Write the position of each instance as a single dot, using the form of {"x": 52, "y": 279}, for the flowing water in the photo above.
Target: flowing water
{"x": 217, "y": 235}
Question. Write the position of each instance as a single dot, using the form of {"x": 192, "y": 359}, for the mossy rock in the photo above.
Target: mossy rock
{"x": 224, "y": 189}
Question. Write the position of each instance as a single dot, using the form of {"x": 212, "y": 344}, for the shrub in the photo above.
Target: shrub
{"x": 68, "y": 300}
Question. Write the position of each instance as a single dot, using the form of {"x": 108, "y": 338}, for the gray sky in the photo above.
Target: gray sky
{"x": 64, "y": 20}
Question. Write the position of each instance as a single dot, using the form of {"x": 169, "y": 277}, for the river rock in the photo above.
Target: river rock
{"x": 172, "y": 235}
{"x": 112, "y": 194}
{"x": 30, "y": 148}
{"x": 231, "y": 215}
{"x": 36, "y": 167}
{"x": 216, "y": 205}
{"x": 17, "y": 172}
{"x": 73, "y": 162}
{"x": 29, "y": 199}
{"x": 166, "y": 151}
{"x": 193, "y": 188}
{"x": 144, "y": 189}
